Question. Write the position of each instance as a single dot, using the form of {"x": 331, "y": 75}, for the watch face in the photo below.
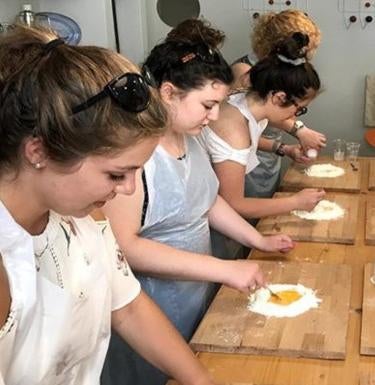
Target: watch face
{"x": 298, "y": 124}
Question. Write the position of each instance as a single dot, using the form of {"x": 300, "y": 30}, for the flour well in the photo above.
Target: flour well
{"x": 325, "y": 170}
{"x": 324, "y": 211}
{"x": 259, "y": 302}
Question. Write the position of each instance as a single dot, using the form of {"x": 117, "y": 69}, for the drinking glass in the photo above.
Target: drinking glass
{"x": 339, "y": 149}
{"x": 352, "y": 149}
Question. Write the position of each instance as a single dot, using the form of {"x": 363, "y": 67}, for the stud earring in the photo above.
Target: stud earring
{"x": 37, "y": 165}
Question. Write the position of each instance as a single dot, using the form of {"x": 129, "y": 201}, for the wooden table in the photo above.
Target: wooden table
{"x": 295, "y": 178}
{"x": 238, "y": 369}
{"x": 372, "y": 174}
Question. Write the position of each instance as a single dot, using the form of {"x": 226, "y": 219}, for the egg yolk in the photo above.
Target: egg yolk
{"x": 285, "y": 297}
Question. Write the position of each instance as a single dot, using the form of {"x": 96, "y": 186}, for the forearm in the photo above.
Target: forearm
{"x": 284, "y": 125}
{"x": 265, "y": 144}
{"x": 260, "y": 207}
{"x": 150, "y": 333}
{"x": 160, "y": 260}
{"x": 225, "y": 219}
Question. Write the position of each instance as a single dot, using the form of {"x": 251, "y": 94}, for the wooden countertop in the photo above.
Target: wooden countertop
{"x": 270, "y": 370}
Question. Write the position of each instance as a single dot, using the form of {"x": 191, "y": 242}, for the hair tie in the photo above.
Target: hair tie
{"x": 52, "y": 44}
{"x": 295, "y": 62}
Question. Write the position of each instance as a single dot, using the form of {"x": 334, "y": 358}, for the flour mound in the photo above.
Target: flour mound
{"x": 259, "y": 301}
{"x": 324, "y": 211}
{"x": 325, "y": 170}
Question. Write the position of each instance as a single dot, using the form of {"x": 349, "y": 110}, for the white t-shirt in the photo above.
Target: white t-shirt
{"x": 219, "y": 150}
{"x": 64, "y": 284}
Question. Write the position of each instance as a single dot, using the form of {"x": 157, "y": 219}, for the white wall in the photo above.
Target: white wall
{"x": 9, "y": 10}
{"x": 132, "y": 28}
{"x": 345, "y": 56}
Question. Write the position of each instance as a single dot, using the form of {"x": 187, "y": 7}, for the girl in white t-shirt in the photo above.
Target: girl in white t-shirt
{"x": 75, "y": 125}
{"x": 282, "y": 85}
{"x": 268, "y": 30}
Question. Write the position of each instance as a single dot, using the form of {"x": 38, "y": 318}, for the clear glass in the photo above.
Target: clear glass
{"x": 339, "y": 149}
{"x": 352, "y": 149}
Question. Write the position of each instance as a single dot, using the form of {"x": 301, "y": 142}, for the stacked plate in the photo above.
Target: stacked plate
{"x": 65, "y": 27}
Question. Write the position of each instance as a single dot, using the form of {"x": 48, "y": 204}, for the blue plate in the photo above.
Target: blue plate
{"x": 65, "y": 27}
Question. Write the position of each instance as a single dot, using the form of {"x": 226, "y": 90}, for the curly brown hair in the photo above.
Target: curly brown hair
{"x": 271, "y": 28}
{"x": 38, "y": 90}
{"x": 192, "y": 30}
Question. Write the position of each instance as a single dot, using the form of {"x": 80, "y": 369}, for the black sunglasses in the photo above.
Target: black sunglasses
{"x": 130, "y": 91}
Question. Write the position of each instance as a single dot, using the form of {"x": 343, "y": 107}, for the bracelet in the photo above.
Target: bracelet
{"x": 275, "y": 145}
{"x": 280, "y": 151}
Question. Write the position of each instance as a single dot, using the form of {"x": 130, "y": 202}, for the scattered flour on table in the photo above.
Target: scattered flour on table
{"x": 259, "y": 301}
{"x": 324, "y": 211}
{"x": 325, "y": 170}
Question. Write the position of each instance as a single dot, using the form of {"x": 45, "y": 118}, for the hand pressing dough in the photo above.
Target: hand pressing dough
{"x": 295, "y": 300}
{"x": 324, "y": 170}
{"x": 324, "y": 211}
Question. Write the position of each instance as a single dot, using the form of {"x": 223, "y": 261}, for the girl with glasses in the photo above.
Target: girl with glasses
{"x": 76, "y": 123}
{"x": 163, "y": 229}
{"x": 282, "y": 85}
{"x": 269, "y": 29}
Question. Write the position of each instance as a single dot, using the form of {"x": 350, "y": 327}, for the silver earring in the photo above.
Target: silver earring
{"x": 37, "y": 165}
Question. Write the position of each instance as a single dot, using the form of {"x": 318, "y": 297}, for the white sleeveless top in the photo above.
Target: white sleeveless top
{"x": 220, "y": 151}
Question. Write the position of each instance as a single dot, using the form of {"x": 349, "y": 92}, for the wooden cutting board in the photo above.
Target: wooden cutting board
{"x": 368, "y": 313}
{"x": 371, "y": 178}
{"x": 342, "y": 230}
{"x": 366, "y": 379}
{"x": 370, "y": 221}
{"x": 321, "y": 333}
{"x": 296, "y": 179}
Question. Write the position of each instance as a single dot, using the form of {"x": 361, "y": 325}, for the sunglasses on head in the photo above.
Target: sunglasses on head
{"x": 130, "y": 91}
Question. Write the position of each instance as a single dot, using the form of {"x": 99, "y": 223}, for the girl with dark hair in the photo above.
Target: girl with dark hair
{"x": 282, "y": 85}
{"x": 164, "y": 228}
{"x": 270, "y": 29}
{"x": 75, "y": 125}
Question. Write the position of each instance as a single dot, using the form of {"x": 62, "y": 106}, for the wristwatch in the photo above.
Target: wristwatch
{"x": 298, "y": 124}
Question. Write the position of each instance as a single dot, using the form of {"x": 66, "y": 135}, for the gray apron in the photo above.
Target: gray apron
{"x": 263, "y": 181}
{"x": 180, "y": 193}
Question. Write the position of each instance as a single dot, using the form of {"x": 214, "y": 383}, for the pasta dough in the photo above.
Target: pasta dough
{"x": 291, "y": 305}
{"x": 324, "y": 170}
{"x": 324, "y": 211}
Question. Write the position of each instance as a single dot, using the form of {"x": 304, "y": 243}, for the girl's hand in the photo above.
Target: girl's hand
{"x": 243, "y": 275}
{"x": 296, "y": 153}
{"x": 309, "y": 138}
{"x": 307, "y": 198}
{"x": 280, "y": 242}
